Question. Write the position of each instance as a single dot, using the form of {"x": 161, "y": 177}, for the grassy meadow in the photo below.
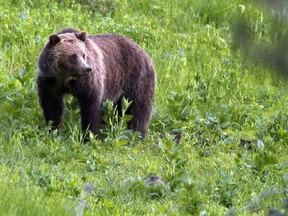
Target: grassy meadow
{"x": 217, "y": 142}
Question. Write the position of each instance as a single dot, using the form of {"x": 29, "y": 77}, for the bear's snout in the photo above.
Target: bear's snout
{"x": 85, "y": 67}
{"x": 88, "y": 69}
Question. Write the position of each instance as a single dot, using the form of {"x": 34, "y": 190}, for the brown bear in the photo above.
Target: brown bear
{"x": 93, "y": 69}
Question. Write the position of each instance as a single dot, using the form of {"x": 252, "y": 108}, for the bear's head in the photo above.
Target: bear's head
{"x": 67, "y": 55}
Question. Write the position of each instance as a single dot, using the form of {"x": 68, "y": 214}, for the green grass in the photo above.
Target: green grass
{"x": 230, "y": 110}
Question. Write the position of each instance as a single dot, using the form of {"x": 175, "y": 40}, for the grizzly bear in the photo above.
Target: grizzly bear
{"x": 94, "y": 69}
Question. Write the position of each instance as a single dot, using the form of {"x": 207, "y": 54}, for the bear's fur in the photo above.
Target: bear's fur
{"x": 93, "y": 69}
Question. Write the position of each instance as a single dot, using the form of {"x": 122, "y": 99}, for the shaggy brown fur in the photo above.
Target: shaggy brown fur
{"x": 93, "y": 69}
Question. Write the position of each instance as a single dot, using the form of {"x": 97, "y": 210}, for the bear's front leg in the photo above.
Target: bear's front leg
{"x": 91, "y": 114}
{"x": 51, "y": 100}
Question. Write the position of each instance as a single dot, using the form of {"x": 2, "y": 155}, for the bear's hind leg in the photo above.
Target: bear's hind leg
{"x": 51, "y": 100}
{"x": 141, "y": 117}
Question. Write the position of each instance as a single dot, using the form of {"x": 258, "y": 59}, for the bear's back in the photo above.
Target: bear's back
{"x": 109, "y": 43}
{"x": 124, "y": 60}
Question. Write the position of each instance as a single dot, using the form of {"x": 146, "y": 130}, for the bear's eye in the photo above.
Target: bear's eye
{"x": 73, "y": 58}
{"x": 84, "y": 56}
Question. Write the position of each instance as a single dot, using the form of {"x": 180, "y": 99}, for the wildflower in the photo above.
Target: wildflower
{"x": 88, "y": 188}
{"x": 181, "y": 52}
{"x": 228, "y": 63}
{"x": 23, "y": 71}
{"x": 167, "y": 55}
{"x": 151, "y": 180}
{"x": 37, "y": 39}
{"x": 81, "y": 202}
{"x": 23, "y": 16}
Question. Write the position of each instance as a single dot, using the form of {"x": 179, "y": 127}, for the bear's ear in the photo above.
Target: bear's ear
{"x": 81, "y": 36}
{"x": 54, "y": 39}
